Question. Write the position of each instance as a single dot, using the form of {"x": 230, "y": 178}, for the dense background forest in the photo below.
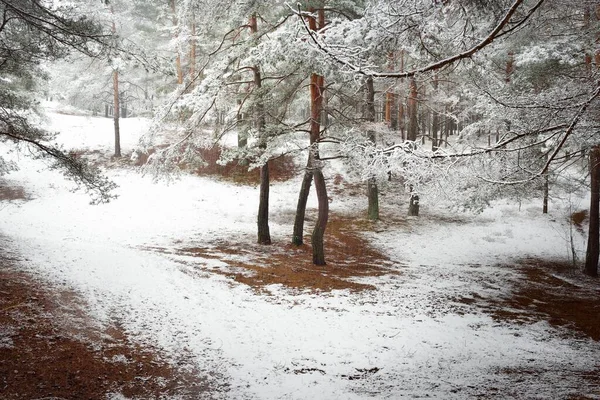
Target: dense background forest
{"x": 398, "y": 154}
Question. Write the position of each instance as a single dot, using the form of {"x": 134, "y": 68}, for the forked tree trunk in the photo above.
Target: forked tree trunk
{"x": 264, "y": 235}
{"x": 313, "y": 171}
{"x": 116, "y": 113}
{"x": 372, "y": 189}
{"x": 593, "y": 245}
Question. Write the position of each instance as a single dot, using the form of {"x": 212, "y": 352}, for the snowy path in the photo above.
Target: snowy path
{"x": 402, "y": 340}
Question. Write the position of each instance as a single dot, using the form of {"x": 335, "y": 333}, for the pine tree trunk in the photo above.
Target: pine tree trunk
{"x": 298, "y": 235}
{"x": 193, "y": 50}
{"x": 264, "y": 235}
{"x": 435, "y": 119}
{"x": 178, "y": 68}
{"x": 546, "y": 193}
{"x": 317, "y": 87}
{"x": 593, "y": 245}
{"x": 372, "y": 189}
{"x": 413, "y": 205}
{"x": 116, "y": 113}
{"x": 413, "y": 127}
{"x": 317, "y": 239}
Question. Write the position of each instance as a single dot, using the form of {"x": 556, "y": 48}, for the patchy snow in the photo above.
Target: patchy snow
{"x": 404, "y": 339}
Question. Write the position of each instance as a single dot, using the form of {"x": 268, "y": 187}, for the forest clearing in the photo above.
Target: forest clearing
{"x": 164, "y": 292}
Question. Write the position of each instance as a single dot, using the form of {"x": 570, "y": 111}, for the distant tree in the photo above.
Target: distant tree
{"x": 593, "y": 246}
{"x": 31, "y": 33}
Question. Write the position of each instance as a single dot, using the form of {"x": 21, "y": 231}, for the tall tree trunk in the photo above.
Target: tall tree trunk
{"x": 546, "y": 189}
{"x": 435, "y": 119}
{"x": 116, "y": 113}
{"x": 193, "y": 50}
{"x": 313, "y": 167}
{"x": 178, "y": 67}
{"x": 388, "y": 110}
{"x": 372, "y": 189}
{"x": 264, "y": 235}
{"x": 413, "y": 207}
{"x": 317, "y": 238}
{"x": 593, "y": 245}
{"x": 413, "y": 124}
{"x": 317, "y": 88}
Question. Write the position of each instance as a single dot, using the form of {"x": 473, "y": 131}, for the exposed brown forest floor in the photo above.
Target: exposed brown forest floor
{"x": 50, "y": 350}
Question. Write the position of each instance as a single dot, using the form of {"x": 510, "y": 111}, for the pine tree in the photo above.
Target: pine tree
{"x": 33, "y": 32}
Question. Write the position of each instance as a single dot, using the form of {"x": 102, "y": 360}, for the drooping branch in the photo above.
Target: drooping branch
{"x": 498, "y": 31}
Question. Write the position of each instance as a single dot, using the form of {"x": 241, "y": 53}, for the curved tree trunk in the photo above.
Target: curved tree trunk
{"x": 317, "y": 241}
{"x": 298, "y": 235}
{"x": 318, "y": 234}
{"x": 313, "y": 170}
{"x": 593, "y": 245}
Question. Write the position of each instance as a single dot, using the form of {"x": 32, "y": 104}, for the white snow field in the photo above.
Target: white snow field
{"x": 403, "y": 340}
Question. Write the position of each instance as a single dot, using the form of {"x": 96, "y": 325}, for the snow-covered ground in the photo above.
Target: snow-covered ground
{"x": 402, "y": 340}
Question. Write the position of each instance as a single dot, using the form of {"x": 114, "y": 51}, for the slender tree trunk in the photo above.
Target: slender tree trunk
{"x": 413, "y": 207}
{"x": 264, "y": 235}
{"x": 372, "y": 189}
{"x": 546, "y": 191}
{"x": 318, "y": 234}
{"x": 116, "y": 113}
{"x": 298, "y": 235}
{"x": 317, "y": 238}
{"x": 401, "y": 100}
{"x": 413, "y": 123}
{"x": 593, "y": 245}
{"x": 193, "y": 50}
{"x": 178, "y": 67}
{"x": 435, "y": 119}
